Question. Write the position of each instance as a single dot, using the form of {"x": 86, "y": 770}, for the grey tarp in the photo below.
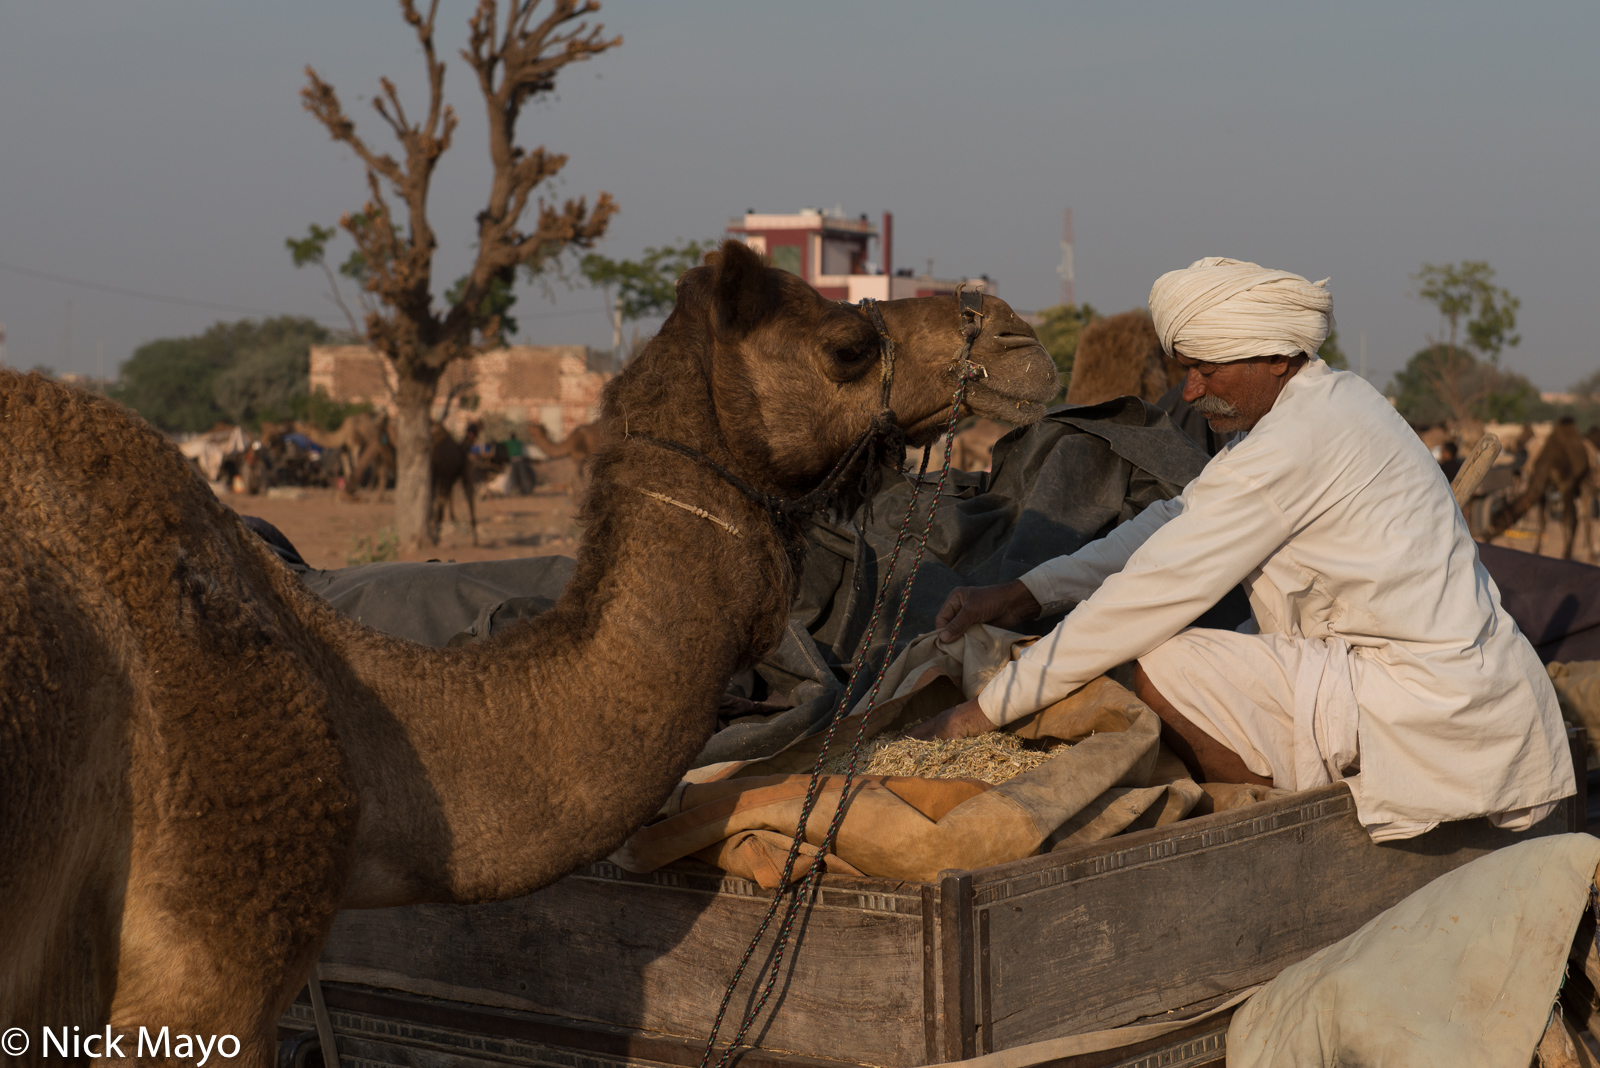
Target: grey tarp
{"x": 434, "y": 602}
{"x": 1053, "y": 487}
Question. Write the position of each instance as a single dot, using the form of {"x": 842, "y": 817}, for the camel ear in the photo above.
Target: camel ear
{"x": 745, "y": 288}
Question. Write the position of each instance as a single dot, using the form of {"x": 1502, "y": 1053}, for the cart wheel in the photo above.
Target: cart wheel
{"x": 300, "y": 1051}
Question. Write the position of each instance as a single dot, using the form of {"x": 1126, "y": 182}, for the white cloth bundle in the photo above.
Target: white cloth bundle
{"x": 1221, "y": 310}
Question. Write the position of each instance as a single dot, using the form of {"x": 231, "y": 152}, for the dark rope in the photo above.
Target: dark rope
{"x": 971, "y": 313}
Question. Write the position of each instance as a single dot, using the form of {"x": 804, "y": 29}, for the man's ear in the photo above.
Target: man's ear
{"x": 745, "y": 288}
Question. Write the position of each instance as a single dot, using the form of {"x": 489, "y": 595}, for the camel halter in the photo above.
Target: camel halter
{"x": 882, "y": 441}
{"x": 971, "y": 313}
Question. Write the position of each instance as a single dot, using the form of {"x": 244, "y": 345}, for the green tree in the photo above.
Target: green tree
{"x": 1488, "y": 392}
{"x": 495, "y": 307}
{"x": 1587, "y": 388}
{"x": 266, "y": 382}
{"x": 1463, "y": 373}
{"x": 643, "y": 288}
{"x": 1058, "y": 332}
{"x": 322, "y": 411}
{"x": 1331, "y": 354}
{"x": 172, "y": 382}
{"x": 515, "y": 51}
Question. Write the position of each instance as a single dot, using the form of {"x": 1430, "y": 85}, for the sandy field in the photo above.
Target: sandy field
{"x": 332, "y": 530}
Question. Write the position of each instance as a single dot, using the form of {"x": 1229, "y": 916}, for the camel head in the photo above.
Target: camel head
{"x": 777, "y": 381}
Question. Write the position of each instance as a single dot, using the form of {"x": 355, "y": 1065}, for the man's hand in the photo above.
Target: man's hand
{"x": 1004, "y": 605}
{"x": 962, "y": 721}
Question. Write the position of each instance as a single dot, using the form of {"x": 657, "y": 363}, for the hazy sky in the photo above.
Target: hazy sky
{"x": 159, "y": 145}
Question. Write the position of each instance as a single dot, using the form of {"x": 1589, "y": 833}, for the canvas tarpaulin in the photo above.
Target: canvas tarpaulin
{"x": 1051, "y": 489}
{"x": 1461, "y": 973}
{"x": 1113, "y": 777}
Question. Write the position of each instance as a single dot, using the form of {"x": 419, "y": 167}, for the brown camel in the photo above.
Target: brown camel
{"x": 451, "y": 462}
{"x": 201, "y": 761}
{"x": 363, "y": 440}
{"x": 582, "y": 444}
{"x": 1562, "y": 465}
{"x": 1121, "y": 356}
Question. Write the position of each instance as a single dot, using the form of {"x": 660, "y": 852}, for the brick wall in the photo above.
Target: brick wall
{"x": 548, "y": 384}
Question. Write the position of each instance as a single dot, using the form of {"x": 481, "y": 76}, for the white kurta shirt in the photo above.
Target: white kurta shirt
{"x": 1340, "y": 525}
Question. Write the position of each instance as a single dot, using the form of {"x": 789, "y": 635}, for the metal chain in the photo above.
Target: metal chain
{"x": 967, "y": 373}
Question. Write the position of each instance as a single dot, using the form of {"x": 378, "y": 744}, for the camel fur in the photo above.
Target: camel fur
{"x": 201, "y": 761}
{"x": 1121, "y": 356}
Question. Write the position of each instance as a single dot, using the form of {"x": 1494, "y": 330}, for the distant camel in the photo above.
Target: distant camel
{"x": 1562, "y": 465}
{"x": 581, "y": 444}
{"x": 363, "y": 439}
{"x": 452, "y": 463}
{"x": 1121, "y": 356}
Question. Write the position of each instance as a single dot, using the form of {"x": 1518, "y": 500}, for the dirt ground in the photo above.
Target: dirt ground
{"x": 331, "y": 530}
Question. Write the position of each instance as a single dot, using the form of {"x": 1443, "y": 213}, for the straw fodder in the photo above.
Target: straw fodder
{"x": 993, "y": 757}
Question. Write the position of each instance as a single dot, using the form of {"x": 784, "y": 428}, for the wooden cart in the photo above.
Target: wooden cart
{"x": 607, "y": 968}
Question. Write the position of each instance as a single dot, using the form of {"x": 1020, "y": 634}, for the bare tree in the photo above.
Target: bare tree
{"x": 395, "y": 261}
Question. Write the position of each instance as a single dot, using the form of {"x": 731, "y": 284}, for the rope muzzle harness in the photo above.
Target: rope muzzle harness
{"x": 861, "y": 467}
{"x": 882, "y": 440}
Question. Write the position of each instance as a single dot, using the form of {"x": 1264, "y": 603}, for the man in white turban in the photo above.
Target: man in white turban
{"x": 1378, "y": 652}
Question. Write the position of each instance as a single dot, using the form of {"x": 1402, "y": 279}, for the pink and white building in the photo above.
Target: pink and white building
{"x": 832, "y": 252}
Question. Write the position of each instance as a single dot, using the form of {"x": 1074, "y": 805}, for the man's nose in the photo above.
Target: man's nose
{"x": 1194, "y": 387}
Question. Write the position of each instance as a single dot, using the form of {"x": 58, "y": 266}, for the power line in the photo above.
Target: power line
{"x": 123, "y": 291}
{"x": 566, "y": 311}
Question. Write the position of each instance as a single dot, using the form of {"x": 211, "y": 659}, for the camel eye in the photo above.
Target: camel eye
{"x": 851, "y": 357}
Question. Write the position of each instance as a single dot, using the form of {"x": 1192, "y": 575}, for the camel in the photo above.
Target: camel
{"x": 201, "y": 761}
{"x": 363, "y": 440}
{"x": 582, "y": 444}
{"x": 1121, "y": 356}
{"x": 1562, "y": 465}
{"x": 451, "y": 462}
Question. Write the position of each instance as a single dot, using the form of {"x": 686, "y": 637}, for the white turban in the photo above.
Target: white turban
{"x": 1220, "y": 310}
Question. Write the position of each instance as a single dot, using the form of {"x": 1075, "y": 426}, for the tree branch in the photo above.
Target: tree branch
{"x": 512, "y": 68}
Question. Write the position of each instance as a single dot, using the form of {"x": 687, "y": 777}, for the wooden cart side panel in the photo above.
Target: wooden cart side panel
{"x": 655, "y": 954}
{"x": 958, "y": 986}
{"x": 931, "y": 979}
{"x": 1169, "y": 919}
{"x": 379, "y": 1028}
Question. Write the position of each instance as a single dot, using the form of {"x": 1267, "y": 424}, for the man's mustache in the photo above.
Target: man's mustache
{"x": 1210, "y": 406}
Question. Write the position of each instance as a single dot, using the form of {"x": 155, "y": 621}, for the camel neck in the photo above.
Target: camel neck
{"x": 488, "y": 770}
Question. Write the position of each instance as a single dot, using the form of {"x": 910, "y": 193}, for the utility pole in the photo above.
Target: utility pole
{"x": 616, "y": 326}
{"x": 66, "y": 340}
{"x": 1068, "y": 296}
